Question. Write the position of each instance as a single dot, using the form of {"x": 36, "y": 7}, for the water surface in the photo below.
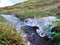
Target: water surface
{"x": 35, "y": 36}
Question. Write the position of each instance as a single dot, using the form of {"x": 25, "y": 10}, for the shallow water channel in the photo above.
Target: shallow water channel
{"x": 35, "y": 29}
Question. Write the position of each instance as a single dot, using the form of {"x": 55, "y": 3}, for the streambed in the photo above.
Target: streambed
{"x": 35, "y": 36}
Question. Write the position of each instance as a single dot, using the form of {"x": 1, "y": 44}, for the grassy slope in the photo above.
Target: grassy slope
{"x": 29, "y": 9}
{"x": 33, "y": 7}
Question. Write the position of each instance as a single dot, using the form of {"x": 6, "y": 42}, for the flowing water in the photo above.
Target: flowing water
{"x": 11, "y": 18}
{"x": 44, "y": 25}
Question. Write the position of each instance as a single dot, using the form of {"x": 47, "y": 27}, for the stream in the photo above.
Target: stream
{"x": 35, "y": 29}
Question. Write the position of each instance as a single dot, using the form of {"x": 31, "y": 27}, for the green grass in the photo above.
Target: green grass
{"x": 8, "y": 35}
{"x": 30, "y": 8}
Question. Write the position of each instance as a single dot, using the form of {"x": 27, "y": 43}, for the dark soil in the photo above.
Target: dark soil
{"x": 35, "y": 39}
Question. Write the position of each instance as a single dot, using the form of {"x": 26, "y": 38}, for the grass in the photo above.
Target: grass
{"x": 9, "y": 36}
{"x": 56, "y": 36}
{"x": 31, "y": 8}
{"x": 28, "y": 9}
